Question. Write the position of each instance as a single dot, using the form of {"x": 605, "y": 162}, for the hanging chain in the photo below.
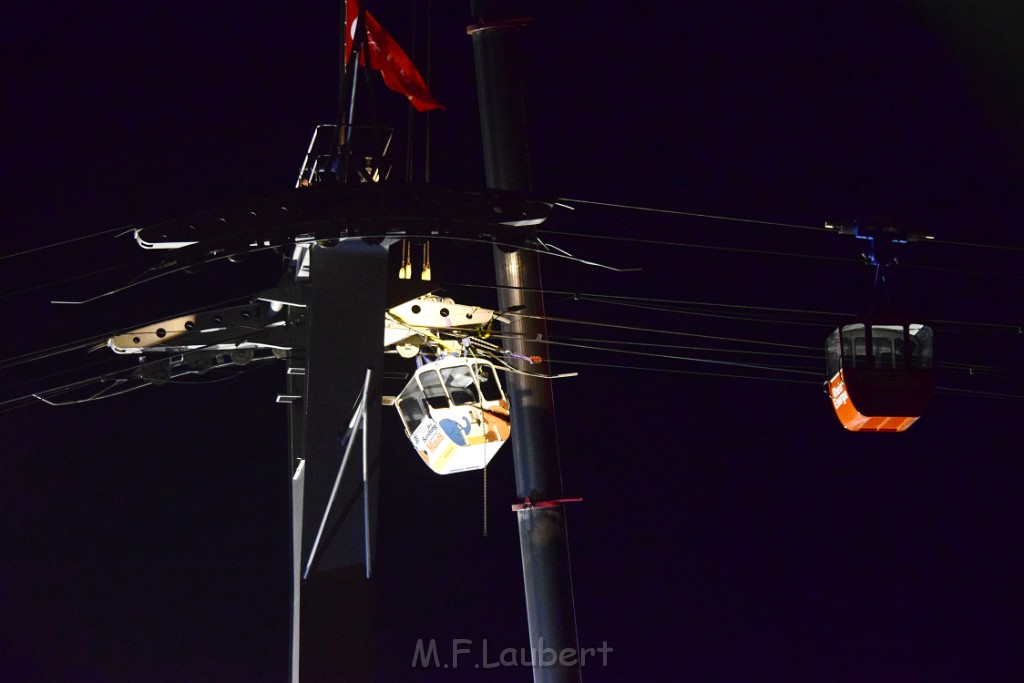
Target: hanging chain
{"x": 485, "y": 501}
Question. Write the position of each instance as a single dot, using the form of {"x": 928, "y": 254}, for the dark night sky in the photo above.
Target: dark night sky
{"x": 730, "y": 529}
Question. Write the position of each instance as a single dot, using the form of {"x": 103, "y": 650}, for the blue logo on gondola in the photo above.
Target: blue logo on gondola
{"x": 455, "y": 431}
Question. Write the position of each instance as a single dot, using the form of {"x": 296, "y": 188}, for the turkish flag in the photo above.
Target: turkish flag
{"x": 390, "y": 60}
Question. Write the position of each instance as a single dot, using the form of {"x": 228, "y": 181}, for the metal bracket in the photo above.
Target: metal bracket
{"x": 528, "y": 504}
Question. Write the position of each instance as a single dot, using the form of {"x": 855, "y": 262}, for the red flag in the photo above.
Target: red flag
{"x": 390, "y": 60}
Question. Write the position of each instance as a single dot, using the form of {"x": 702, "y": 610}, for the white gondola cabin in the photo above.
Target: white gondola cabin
{"x": 455, "y": 413}
{"x": 880, "y": 374}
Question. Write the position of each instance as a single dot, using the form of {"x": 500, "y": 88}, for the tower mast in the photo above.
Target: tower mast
{"x": 543, "y": 540}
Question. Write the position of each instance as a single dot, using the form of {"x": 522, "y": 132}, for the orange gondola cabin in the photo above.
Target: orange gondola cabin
{"x": 880, "y": 374}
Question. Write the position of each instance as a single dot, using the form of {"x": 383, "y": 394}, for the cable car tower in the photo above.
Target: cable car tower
{"x": 328, "y": 319}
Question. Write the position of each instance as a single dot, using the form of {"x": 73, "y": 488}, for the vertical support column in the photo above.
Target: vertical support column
{"x": 298, "y": 480}
{"x": 543, "y": 540}
{"x": 345, "y": 306}
{"x": 295, "y": 387}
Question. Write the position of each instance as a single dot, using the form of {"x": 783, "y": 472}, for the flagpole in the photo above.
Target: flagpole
{"x": 346, "y": 99}
{"x": 342, "y": 59}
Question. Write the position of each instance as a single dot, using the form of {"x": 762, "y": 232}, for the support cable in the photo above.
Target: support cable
{"x": 122, "y": 229}
{"x": 560, "y": 340}
{"x": 834, "y": 315}
{"x": 635, "y": 328}
{"x": 674, "y": 212}
{"x": 712, "y": 247}
{"x": 168, "y": 269}
{"x": 735, "y": 219}
{"x": 768, "y": 252}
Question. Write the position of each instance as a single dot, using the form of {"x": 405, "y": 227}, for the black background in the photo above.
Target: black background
{"x": 730, "y": 529}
